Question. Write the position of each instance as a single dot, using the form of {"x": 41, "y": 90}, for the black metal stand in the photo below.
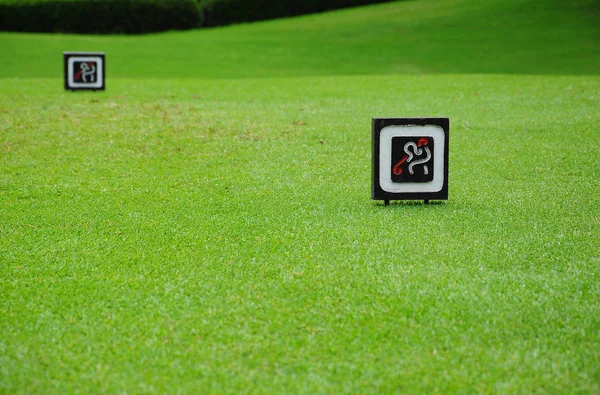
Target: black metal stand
{"x": 386, "y": 202}
{"x": 426, "y": 201}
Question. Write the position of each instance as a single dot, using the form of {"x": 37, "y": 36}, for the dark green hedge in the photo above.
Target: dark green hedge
{"x": 99, "y": 16}
{"x": 224, "y": 12}
{"x": 145, "y": 16}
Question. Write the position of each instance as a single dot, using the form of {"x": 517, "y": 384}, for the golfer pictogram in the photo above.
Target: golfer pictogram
{"x": 412, "y": 159}
{"x": 85, "y": 72}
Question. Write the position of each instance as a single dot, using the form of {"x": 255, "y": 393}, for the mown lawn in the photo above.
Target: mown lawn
{"x": 216, "y": 234}
{"x": 552, "y": 37}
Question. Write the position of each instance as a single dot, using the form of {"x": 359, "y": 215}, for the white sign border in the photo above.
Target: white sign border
{"x": 385, "y": 158}
{"x": 100, "y": 72}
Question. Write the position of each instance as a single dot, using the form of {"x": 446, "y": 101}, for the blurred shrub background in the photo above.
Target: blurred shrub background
{"x": 146, "y": 16}
{"x": 98, "y": 16}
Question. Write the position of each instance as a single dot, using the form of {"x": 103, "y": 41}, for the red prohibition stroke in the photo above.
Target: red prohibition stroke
{"x": 423, "y": 141}
{"x": 397, "y": 170}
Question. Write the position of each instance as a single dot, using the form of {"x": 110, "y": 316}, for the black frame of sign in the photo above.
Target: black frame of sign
{"x": 71, "y": 85}
{"x": 385, "y": 186}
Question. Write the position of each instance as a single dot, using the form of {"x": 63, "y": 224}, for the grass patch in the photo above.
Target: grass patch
{"x": 216, "y": 234}
{"x": 407, "y": 37}
{"x": 219, "y": 235}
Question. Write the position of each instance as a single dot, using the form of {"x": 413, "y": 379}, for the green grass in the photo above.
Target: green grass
{"x": 424, "y": 36}
{"x": 216, "y": 234}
